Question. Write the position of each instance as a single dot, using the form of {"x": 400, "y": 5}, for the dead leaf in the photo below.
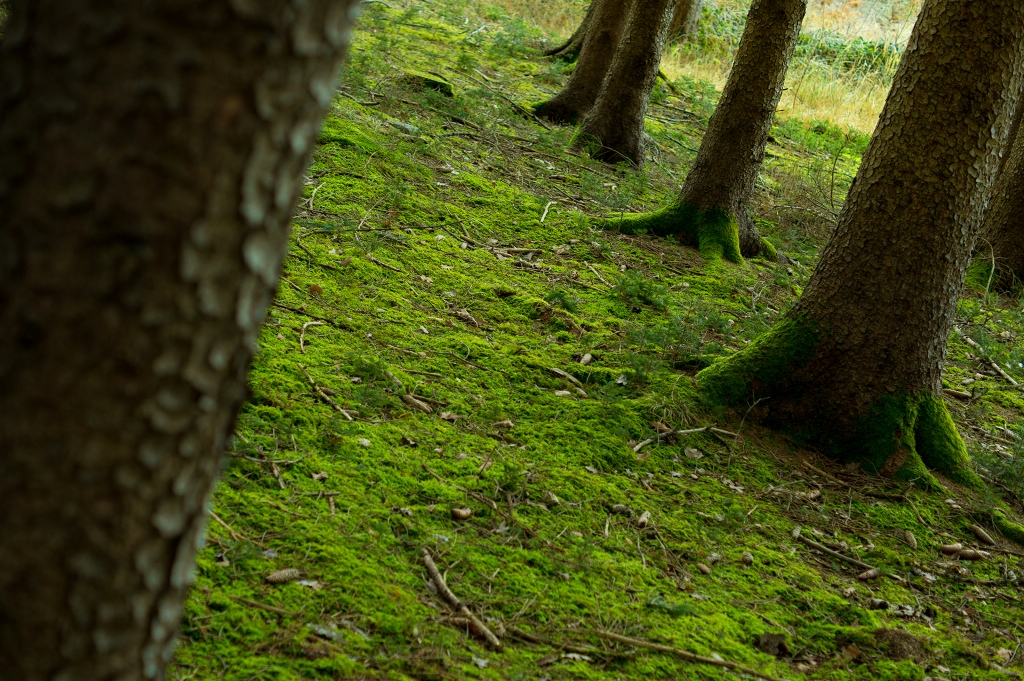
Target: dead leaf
{"x": 692, "y": 453}
{"x": 502, "y": 424}
{"x": 773, "y": 644}
{"x": 448, "y": 416}
{"x": 312, "y": 584}
{"x": 315, "y": 289}
{"x": 704, "y": 569}
{"x": 550, "y": 498}
{"x": 319, "y": 477}
{"x": 644, "y": 518}
{"x": 563, "y": 393}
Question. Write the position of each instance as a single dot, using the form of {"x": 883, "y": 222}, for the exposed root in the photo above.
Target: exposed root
{"x": 714, "y": 233}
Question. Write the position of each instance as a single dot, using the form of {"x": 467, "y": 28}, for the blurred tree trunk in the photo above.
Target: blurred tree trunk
{"x": 685, "y": 19}
{"x": 150, "y": 157}
{"x": 570, "y": 49}
{"x": 598, "y": 50}
{"x": 711, "y": 212}
{"x": 856, "y": 366}
{"x": 613, "y": 129}
{"x": 1003, "y": 229}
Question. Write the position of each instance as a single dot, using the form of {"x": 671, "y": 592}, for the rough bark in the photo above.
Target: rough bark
{"x": 570, "y": 49}
{"x": 685, "y": 19}
{"x": 598, "y": 50}
{"x": 613, "y": 129}
{"x": 855, "y": 367}
{"x": 1003, "y": 228}
{"x": 711, "y": 212}
{"x": 150, "y": 156}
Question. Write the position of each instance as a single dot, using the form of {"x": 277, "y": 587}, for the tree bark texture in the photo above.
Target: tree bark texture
{"x": 613, "y": 130}
{"x": 711, "y": 212}
{"x": 150, "y": 157}
{"x": 595, "y": 57}
{"x": 856, "y": 365}
{"x": 1003, "y": 228}
{"x": 570, "y": 49}
{"x": 685, "y": 19}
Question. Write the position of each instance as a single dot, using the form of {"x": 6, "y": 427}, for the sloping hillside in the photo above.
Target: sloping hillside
{"x": 458, "y": 363}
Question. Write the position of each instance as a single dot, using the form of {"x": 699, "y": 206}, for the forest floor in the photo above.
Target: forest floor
{"x": 457, "y": 363}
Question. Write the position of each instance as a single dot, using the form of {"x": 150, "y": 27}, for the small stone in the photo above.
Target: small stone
{"x": 586, "y": 359}
{"x": 747, "y": 557}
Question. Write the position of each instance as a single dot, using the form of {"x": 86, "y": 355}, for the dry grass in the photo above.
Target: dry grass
{"x": 816, "y": 90}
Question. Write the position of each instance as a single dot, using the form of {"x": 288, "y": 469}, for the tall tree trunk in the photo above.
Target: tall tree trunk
{"x": 685, "y": 19}
{"x": 1003, "y": 228}
{"x": 570, "y": 49}
{"x": 150, "y": 157}
{"x": 711, "y": 212}
{"x": 855, "y": 367}
{"x": 580, "y": 93}
{"x": 613, "y": 130}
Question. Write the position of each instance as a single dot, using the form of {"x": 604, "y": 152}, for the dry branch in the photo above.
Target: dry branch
{"x": 692, "y": 657}
{"x": 324, "y": 396}
{"x": 475, "y": 625}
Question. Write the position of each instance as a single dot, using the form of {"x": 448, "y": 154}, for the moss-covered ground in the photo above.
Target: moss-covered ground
{"x": 451, "y": 333}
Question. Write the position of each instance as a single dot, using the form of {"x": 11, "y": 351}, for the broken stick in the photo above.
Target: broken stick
{"x": 686, "y": 655}
{"x": 475, "y": 625}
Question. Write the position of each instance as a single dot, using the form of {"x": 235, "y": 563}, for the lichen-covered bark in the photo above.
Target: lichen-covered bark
{"x": 570, "y": 49}
{"x": 1003, "y": 228}
{"x": 596, "y": 54}
{"x": 150, "y": 156}
{"x": 613, "y": 130}
{"x": 865, "y": 380}
{"x": 685, "y": 19}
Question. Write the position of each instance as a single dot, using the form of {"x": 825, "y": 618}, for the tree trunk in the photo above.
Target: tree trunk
{"x": 613, "y": 130}
{"x": 580, "y": 93}
{"x": 570, "y": 49}
{"x": 1003, "y": 228}
{"x": 685, "y": 19}
{"x": 711, "y": 211}
{"x": 150, "y": 157}
{"x": 856, "y": 366}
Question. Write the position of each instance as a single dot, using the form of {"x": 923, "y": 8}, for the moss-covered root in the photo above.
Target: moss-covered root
{"x": 714, "y": 232}
{"x": 902, "y": 436}
{"x": 1009, "y": 529}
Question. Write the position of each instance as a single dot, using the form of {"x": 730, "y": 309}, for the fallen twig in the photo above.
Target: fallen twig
{"x": 231, "y": 533}
{"x": 302, "y": 334}
{"x": 475, "y": 625}
{"x": 383, "y": 264}
{"x": 546, "y": 208}
{"x": 692, "y": 657}
{"x": 835, "y": 554}
{"x": 324, "y": 396}
{"x": 263, "y": 606}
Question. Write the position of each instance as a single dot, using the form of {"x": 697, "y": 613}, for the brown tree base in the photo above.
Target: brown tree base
{"x": 715, "y": 233}
{"x": 557, "y": 111}
{"x": 902, "y": 435}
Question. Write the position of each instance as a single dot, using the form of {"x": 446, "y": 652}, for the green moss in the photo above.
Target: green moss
{"x": 714, "y": 232}
{"x": 1008, "y": 528}
{"x": 768, "y": 250}
{"x": 736, "y": 380}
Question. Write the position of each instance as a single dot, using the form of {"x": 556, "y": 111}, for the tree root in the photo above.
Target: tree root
{"x": 714, "y": 233}
{"x": 903, "y": 436}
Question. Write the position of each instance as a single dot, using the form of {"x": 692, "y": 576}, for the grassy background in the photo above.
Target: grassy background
{"x": 443, "y": 255}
